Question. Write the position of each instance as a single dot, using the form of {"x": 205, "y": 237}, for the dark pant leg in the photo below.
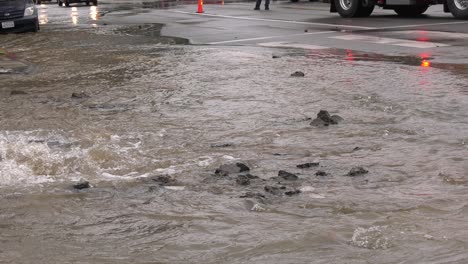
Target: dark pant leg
{"x": 258, "y": 3}
{"x": 267, "y": 3}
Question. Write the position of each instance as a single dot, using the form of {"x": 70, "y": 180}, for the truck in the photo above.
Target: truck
{"x": 405, "y": 8}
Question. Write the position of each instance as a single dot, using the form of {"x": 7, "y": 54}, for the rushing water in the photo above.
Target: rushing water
{"x": 143, "y": 109}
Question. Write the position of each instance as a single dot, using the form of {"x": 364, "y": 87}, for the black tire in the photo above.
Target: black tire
{"x": 87, "y": 3}
{"x": 38, "y": 2}
{"x": 67, "y": 3}
{"x": 410, "y": 11}
{"x": 457, "y": 9}
{"x": 60, "y": 3}
{"x": 354, "y": 8}
{"x": 95, "y": 2}
{"x": 294, "y": 1}
{"x": 366, "y": 9}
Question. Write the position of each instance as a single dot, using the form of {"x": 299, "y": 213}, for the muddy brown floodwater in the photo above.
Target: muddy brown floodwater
{"x": 122, "y": 109}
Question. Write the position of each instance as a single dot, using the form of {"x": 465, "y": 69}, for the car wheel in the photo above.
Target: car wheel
{"x": 67, "y": 3}
{"x": 60, "y": 3}
{"x": 87, "y": 3}
{"x": 95, "y": 2}
{"x": 458, "y": 8}
{"x": 354, "y": 8}
{"x": 410, "y": 11}
{"x": 294, "y": 1}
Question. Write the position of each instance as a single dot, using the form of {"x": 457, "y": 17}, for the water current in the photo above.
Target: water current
{"x": 145, "y": 108}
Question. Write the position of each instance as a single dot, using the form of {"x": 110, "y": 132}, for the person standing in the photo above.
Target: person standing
{"x": 259, "y": 2}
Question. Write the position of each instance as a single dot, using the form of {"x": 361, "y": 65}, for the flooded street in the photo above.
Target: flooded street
{"x": 147, "y": 120}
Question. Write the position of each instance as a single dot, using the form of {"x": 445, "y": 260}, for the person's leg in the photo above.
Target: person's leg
{"x": 267, "y": 4}
{"x": 257, "y": 4}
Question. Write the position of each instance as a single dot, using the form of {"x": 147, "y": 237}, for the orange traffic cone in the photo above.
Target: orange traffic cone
{"x": 200, "y": 6}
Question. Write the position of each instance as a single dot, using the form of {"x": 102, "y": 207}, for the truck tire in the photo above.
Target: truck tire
{"x": 458, "y": 8}
{"x": 410, "y": 11}
{"x": 367, "y": 6}
{"x": 354, "y": 8}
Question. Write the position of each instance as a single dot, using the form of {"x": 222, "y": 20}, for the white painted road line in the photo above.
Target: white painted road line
{"x": 284, "y": 44}
{"x": 440, "y": 34}
{"x": 270, "y": 37}
{"x": 391, "y": 41}
{"x": 274, "y": 20}
{"x": 426, "y": 25}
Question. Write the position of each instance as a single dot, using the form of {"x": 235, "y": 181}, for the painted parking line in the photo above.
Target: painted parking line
{"x": 269, "y": 37}
{"x": 284, "y": 44}
{"x": 438, "y": 34}
{"x": 425, "y": 25}
{"x": 391, "y": 41}
{"x": 276, "y": 20}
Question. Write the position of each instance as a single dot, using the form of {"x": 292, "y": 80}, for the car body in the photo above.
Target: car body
{"x": 18, "y": 16}
{"x": 68, "y": 2}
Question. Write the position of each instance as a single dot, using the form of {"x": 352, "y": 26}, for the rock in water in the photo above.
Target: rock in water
{"x": 227, "y": 169}
{"x": 81, "y": 185}
{"x": 163, "y": 179}
{"x": 321, "y": 173}
{"x": 287, "y": 175}
{"x": 325, "y": 119}
{"x": 291, "y": 193}
{"x": 80, "y": 95}
{"x": 297, "y": 74}
{"x": 272, "y": 189}
{"x": 307, "y": 165}
{"x": 357, "y": 171}
{"x": 243, "y": 180}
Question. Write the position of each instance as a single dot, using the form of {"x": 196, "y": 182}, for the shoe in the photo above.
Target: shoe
{"x": 257, "y": 8}
{"x": 267, "y": 8}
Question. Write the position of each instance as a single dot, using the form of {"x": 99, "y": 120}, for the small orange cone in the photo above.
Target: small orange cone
{"x": 200, "y": 6}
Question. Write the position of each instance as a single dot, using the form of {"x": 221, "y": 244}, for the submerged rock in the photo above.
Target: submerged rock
{"x": 272, "y": 189}
{"x": 227, "y": 169}
{"x": 163, "y": 179}
{"x": 80, "y": 95}
{"x": 325, "y": 119}
{"x": 307, "y": 165}
{"x": 287, "y": 175}
{"x": 252, "y": 195}
{"x": 243, "y": 180}
{"x": 18, "y": 92}
{"x": 357, "y": 171}
{"x": 297, "y": 74}
{"x": 221, "y": 145}
{"x": 294, "y": 192}
{"x": 321, "y": 173}
{"x": 81, "y": 185}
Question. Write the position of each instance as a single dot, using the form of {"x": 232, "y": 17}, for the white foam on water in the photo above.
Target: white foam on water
{"x": 371, "y": 238}
{"x": 29, "y": 158}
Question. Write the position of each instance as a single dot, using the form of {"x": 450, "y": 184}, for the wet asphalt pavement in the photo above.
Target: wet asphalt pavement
{"x": 197, "y": 141}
